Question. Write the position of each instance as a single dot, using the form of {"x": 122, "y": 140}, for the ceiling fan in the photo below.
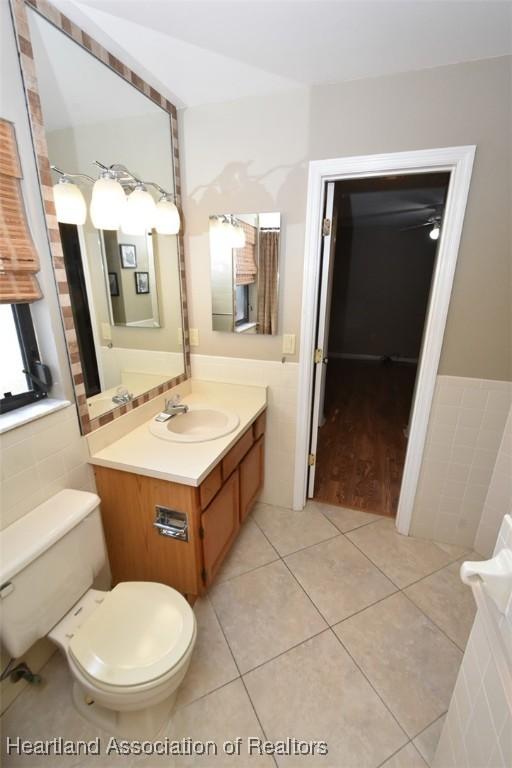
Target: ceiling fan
{"x": 434, "y": 222}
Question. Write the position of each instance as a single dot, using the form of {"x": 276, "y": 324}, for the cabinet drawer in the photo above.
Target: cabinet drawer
{"x": 210, "y": 486}
{"x": 251, "y": 477}
{"x": 220, "y": 523}
{"x": 236, "y": 454}
{"x": 259, "y": 425}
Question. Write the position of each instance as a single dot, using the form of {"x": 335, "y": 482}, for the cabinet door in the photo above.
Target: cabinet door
{"x": 220, "y": 522}
{"x": 136, "y": 550}
{"x": 251, "y": 477}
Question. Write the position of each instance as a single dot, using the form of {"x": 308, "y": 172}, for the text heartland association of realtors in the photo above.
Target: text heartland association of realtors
{"x": 252, "y": 745}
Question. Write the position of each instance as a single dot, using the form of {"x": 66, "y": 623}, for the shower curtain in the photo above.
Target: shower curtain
{"x": 267, "y": 286}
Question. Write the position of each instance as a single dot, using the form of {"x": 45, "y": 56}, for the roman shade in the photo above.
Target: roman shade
{"x": 245, "y": 258}
{"x": 19, "y": 261}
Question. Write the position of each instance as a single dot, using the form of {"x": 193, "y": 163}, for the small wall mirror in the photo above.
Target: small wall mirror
{"x": 125, "y": 290}
{"x": 244, "y": 253}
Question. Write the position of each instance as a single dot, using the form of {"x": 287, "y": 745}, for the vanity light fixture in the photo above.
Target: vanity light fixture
{"x": 238, "y": 235}
{"x": 227, "y": 231}
{"x": 70, "y": 205}
{"x": 217, "y": 232}
{"x": 108, "y": 200}
{"x": 111, "y": 208}
{"x": 139, "y": 212}
{"x": 167, "y": 217}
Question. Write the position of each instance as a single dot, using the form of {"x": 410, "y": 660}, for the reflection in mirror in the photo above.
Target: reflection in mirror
{"x": 124, "y": 289}
{"x": 244, "y": 254}
{"x": 129, "y": 263}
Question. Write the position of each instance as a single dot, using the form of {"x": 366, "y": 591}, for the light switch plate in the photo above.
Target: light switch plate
{"x": 193, "y": 335}
{"x": 288, "y": 344}
{"x": 180, "y": 336}
{"x": 106, "y": 331}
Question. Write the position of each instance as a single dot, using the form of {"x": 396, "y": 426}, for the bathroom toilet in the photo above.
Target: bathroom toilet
{"x": 128, "y": 649}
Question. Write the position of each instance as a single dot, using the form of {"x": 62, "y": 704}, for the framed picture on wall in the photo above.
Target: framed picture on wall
{"x": 142, "y": 282}
{"x": 113, "y": 283}
{"x": 128, "y": 256}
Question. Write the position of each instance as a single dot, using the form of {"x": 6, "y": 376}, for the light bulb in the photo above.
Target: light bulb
{"x": 107, "y": 204}
{"x": 434, "y": 232}
{"x": 139, "y": 214}
{"x": 70, "y": 205}
{"x": 238, "y": 236}
{"x": 167, "y": 218}
{"x": 219, "y": 233}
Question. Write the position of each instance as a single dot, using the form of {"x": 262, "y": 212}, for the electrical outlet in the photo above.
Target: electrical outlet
{"x": 288, "y": 344}
{"x": 193, "y": 335}
{"x": 106, "y": 331}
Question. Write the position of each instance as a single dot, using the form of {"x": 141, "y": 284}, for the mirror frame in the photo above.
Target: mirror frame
{"x": 29, "y": 75}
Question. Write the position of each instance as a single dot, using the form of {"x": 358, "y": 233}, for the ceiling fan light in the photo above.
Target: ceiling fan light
{"x": 107, "y": 204}
{"x": 139, "y": 213}
{"x": 70, "y": 205}
{"x": 435, "y": 232}
{"x": 167, "y": 218}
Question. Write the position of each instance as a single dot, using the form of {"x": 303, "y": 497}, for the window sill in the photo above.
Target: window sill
{"x": 244, "y": 327}
{"x": 28, "y": 413}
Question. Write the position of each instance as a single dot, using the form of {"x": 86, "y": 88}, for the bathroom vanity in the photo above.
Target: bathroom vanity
{"x": 172, "y": 510}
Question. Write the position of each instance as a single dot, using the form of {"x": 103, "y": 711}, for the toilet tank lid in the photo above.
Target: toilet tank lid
{"x": 27, "y": 538}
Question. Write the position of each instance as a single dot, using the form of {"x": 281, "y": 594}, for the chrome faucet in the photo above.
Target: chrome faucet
{"x": 122, "y": 396}
{"x": 173, "y": 406}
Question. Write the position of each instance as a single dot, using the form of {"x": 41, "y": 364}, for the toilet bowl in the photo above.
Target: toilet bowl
{"x": 128, "y": 649}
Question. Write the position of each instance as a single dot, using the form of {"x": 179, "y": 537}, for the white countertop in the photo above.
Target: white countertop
{"x": 188, "y": 463}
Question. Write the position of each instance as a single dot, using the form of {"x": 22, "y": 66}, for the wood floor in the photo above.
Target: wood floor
{"x": 361, "y": 447}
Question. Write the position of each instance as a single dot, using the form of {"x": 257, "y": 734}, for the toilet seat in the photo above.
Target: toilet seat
{"x": 137, "y": 635}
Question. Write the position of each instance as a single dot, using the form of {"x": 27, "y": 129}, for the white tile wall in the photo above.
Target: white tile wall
{"x": 498, "y": 501}
{"x": 465, "y": 431}
{"x": 39, "y": 459}
{"x": 281, "y": 380}
{"x": 116, "y": 361}
{"x": 478, "y": 728}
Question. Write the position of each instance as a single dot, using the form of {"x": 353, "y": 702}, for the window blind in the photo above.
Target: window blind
{"x": 19, "y": 261}
{"x": 245, "y": 258}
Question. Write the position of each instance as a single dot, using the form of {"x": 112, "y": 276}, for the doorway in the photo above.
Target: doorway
{"x": 458, "y": 162}
{"x": 80, "y": 306}
{"x": 383, "y": 246}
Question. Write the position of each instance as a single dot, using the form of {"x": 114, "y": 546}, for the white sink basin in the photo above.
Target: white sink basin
{"x": 199, "y": 424}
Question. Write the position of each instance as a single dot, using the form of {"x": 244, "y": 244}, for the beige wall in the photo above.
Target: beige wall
{"x": 253, "y": 154}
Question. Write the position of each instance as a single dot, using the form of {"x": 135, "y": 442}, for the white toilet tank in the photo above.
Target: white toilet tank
{"x": 48, "y": 560}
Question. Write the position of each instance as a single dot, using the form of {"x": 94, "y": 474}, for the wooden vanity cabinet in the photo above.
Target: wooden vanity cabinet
{"x": 214, "y": 512}
{"x": 251, "y": 477}
{"x": 220, "y": 523}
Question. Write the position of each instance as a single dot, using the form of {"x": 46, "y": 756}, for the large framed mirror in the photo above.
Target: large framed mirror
{"x": 120, "y": 280}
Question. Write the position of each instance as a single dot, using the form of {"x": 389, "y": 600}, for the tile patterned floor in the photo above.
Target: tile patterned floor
{"x": 323, "y": 625}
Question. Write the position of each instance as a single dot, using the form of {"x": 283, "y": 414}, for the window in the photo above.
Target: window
{"x": 23, "y": 378}
{"x": 242, "y": 304}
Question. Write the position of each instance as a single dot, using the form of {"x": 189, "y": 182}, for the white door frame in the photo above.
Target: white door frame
{"x": 459, "y": 162}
